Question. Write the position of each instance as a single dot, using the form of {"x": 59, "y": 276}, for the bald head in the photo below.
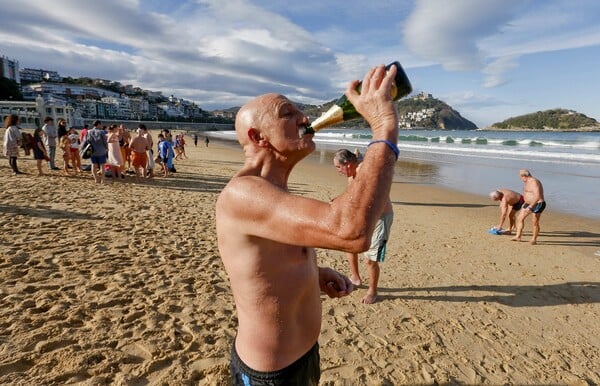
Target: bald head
{"x": 254, "y": 113}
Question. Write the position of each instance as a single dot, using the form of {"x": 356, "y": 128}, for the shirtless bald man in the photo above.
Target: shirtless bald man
{"x": 533, "y": 193}
{"x": 267, "y": 236}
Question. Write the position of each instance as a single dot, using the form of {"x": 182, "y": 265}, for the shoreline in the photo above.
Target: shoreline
{"x": 123, "y": 284}
{"x": 422, "y": 172}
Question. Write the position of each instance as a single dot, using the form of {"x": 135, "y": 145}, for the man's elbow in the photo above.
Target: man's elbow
{"x": 359, "y": 244}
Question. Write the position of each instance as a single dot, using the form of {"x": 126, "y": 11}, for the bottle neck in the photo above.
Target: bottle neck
{"x": 334, "y": 115}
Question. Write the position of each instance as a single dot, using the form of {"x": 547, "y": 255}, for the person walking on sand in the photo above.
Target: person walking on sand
{"x": 65, "y": 146}
{"x": 74, "y": 147}
{"x": 139, "y": 156}
{"x": 39, "y": 151}
{"x": 12, "y": 140}
{"x": 96, "y": 137}
{"x": 510, "y": 203}
{"x": 533, "y": 194}
{"x": 165, "y": 152}
{"x": 50, "y": 136}
{"x": 267, "y": 236}
{"x": 347, "y": 163}
{"x": 61, "y": 129}
{"x": 124, "y": 138}
{"x": 115, "y": 159}
{"x": 149, "y": 153}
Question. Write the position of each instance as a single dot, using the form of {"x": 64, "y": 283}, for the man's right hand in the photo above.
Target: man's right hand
{"x": 374, "y": 102}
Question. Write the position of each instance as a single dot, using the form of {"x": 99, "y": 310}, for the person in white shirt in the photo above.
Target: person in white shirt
{"x": 12, "y": 139}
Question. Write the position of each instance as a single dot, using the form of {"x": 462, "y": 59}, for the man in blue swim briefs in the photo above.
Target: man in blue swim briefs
{"x": 267, "y": 236}
{"x": 510, "y": 203}
{"x": 533, "y": 193}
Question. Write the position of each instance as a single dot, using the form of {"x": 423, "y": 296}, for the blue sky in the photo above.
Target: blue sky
{"x": 489, "y": 59}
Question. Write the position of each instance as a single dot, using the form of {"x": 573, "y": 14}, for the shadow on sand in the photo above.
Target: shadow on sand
{"x": 509, "y": 295}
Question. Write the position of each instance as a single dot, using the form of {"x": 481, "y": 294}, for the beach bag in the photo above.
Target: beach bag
{"x": 86, "y": 150}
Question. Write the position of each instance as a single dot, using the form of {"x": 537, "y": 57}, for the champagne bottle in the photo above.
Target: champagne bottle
{"x": 343, "y": 110}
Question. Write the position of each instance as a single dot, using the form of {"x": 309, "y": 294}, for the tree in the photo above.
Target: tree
{"x": 9, "y": 90}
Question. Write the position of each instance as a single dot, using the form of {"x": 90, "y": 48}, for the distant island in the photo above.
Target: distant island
{"x": 549, "y": 120}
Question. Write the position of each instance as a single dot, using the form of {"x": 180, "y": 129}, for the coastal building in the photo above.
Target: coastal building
{"x": 9, "y": 69}
{"x": 32, "y": 114}
{"x": 224, "y": 114}
{"x": 32, "y": 75}
{"x": 31, "y": 91}
{"x": 413, "y": 118}
{"x": 87, "y": 99}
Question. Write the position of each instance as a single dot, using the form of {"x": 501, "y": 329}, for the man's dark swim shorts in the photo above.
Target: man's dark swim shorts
{"x": 519, "y": 204}
{"x": 305, "y": 371}
{"x": 537, "y": 208}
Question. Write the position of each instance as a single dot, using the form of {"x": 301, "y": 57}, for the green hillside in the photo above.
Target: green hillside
{"x": 555, "y": 119}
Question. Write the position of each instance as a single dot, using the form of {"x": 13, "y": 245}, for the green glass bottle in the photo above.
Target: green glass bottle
{"x": 343, "y": 110}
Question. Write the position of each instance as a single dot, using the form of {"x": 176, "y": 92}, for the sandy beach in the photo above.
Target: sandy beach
{"x": 122, "y": 284}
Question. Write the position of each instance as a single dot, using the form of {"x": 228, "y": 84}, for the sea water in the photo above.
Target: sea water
{"x": 567, "y": 163}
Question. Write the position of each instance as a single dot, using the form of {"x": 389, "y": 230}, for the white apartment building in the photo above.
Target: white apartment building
{"x": 30, "y": 75}
{"x": 32, "y": 114}
{"x": 31, "y": 91}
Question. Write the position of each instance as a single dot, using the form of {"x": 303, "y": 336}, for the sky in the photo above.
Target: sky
{"x": 488, "y": 59}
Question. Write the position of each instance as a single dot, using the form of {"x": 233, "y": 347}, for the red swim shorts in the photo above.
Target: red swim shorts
{"x": 139, "y": 160}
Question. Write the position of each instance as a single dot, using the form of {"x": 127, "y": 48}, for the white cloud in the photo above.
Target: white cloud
{"x": 495, "y": 70}
{"x": 449, "y": 33}
{"x": 489, "y": 36}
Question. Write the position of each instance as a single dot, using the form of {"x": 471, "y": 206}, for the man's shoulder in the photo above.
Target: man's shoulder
{"x": 243, "y": 187}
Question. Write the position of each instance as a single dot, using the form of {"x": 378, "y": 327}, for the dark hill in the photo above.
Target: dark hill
{"x": 419, "y": 112}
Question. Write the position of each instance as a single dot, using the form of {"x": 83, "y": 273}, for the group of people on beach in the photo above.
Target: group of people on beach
{"x": 531, "y": 202}
{"x": 113, "y": 151}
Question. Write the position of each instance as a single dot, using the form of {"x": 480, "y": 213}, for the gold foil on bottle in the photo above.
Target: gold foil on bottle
{"x": 332, "y": 116}
{"x": 393, "y": 91}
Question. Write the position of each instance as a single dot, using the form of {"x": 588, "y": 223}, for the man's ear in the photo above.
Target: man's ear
{"x": 256, "y": 137}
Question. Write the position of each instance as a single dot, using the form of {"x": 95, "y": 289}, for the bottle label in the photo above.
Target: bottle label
{"x": 332, "y": 116}
{"x": 393, "y": 91}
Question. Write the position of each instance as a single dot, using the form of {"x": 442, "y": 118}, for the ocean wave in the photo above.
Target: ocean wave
{"x": 567, "y": 149}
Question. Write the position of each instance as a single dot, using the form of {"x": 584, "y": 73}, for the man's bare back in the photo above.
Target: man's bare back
{"x": 139, "y": 144}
